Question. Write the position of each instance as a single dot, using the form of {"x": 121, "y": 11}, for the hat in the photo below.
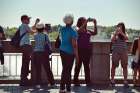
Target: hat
{"x": 40, "y": 26}
{"x": 23, "y": 17}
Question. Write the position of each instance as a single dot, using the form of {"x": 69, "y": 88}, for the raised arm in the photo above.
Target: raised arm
{"x": 113, "y": 37}
{"x": 124, "y": 35}
{"x": 33, "y": 28}
{"x": 95, "y": 28}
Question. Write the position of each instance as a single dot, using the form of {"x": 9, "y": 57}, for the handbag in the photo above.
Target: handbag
{"x": 57, "y": 42}
{"x": 47, "y": 47}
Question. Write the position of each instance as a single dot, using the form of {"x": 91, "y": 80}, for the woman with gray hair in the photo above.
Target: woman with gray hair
{"x": 68, "y": 51}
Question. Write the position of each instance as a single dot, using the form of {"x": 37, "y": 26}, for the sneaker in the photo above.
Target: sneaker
{"x": 68, "y": 88}
{"x": 62, "y": 91}
{"x": 25, "y": 83}
{"x": 112, "y": 83}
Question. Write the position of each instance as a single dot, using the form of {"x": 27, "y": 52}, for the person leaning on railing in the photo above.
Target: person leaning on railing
{"x": 119, "y": 52}
{"x": 136, "y": 61}
{"x": 2, "y": 37}
{"x": 84, "y": 48}
{"x": 68, "y": 51}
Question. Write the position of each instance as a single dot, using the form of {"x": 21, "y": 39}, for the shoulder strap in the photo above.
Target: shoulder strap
{"x": 22, "y": 34}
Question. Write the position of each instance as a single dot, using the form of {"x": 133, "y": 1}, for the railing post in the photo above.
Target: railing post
{"x": 100, "y": 63}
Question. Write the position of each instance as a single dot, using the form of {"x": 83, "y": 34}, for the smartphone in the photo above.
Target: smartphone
{"x": 48, "y": 27}
{"x": 90, "y": 19}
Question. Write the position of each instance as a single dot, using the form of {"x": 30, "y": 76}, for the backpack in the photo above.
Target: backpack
{"x": 15, "y": 40}
{"x": 57, "y": 42}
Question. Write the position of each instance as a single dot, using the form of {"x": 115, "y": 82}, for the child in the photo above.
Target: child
{"x": 41, "y": 55}
{"x": 136, "y": 61}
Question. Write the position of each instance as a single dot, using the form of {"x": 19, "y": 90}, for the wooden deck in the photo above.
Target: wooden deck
{"x": 14, "y": 88}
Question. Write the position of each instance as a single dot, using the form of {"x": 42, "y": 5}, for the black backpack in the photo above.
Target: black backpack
{"x": 15, "y": 40}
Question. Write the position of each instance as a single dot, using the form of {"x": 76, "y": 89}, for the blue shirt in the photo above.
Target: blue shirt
{"x": 66, "y": 36}
{"x": 26, "y": 38}
{"x": 40, "y": 40}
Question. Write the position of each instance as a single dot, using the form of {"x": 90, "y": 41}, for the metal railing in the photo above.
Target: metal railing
{"x": 13, "y": 61}
{"x": 11, "y": 69}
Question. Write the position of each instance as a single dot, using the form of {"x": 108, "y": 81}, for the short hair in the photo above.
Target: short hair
{"x": 68, "y": 16}
{"x": 23, "y": 17}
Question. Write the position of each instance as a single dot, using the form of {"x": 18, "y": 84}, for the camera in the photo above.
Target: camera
{"x": 48, "y": 27}
{"x": 90, "y": 19}
{"x": 37, "y": 20}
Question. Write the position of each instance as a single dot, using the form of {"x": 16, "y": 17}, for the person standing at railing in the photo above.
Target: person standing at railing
{"x": 25, "y": 45}
{"x": 136, "y": 61}
{"x": 2, "y": 37}
{"x": 68, "y": 51}
{"x": 84, "y": 48}
{"x": 119, "y": 52}
{"x": 41, "y": 55}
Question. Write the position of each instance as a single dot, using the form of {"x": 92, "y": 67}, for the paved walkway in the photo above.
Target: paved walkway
{"x": 10, "y": 88}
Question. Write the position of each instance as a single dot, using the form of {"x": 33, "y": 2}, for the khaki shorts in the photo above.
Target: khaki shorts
{"x": 120, "y": 57}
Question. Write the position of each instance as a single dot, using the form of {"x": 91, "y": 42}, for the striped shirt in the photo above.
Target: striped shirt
{"x": 119, "y": 45}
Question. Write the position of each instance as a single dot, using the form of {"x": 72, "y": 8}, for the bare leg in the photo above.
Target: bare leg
{"x": 134, "y": 76}
{"x": 113, "y": 72}
{"x": 139, "y": 76}
{"x": 125, "y": 72}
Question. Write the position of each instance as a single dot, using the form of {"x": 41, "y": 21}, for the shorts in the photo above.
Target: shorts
{"x": 120, "y": 57}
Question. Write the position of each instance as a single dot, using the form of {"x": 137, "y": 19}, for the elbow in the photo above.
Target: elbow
{"x": 112, "y": 40}
{"x": 96, "y": 31}
{"x": 75, "y": 46}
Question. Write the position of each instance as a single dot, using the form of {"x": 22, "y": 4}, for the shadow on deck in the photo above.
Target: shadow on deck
{"x": 14, "y": 88}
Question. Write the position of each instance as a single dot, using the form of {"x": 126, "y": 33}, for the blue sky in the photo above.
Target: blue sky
{"x": 107, "y": 12}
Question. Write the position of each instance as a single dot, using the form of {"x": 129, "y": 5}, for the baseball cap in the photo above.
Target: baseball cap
{"x": 23, "y": 17}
